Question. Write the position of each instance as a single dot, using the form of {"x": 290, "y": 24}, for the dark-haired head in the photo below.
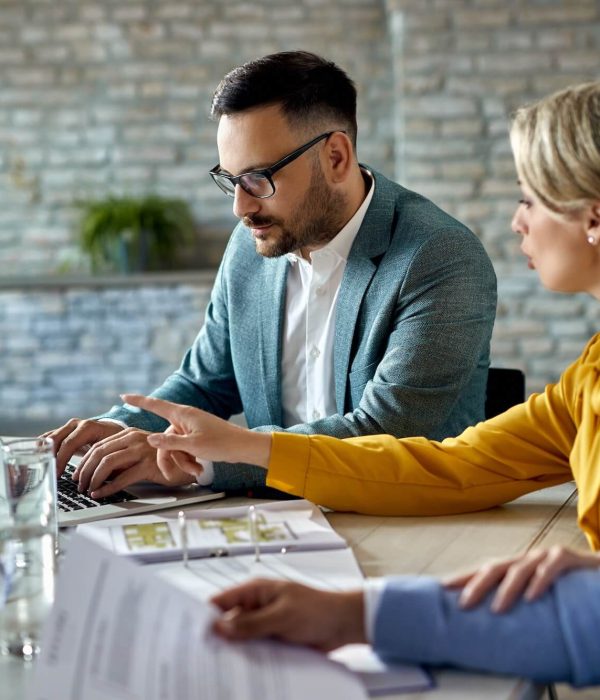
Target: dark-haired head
{"x": 311, "y": 91}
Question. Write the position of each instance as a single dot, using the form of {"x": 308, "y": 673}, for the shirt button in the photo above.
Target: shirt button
{"x": 319, "y": 291}
{"x": 314, "y": 353}
{"x": 316, "y": 415}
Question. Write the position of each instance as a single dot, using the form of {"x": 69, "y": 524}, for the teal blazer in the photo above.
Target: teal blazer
{"x": 413, "y": 323}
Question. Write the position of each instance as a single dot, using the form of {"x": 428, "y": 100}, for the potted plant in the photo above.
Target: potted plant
{"x": 134, "y": 234}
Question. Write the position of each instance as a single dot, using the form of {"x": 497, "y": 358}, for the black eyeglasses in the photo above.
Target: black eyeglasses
{"x": 259, "y": 183}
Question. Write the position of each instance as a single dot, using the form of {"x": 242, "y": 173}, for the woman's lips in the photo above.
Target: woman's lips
{"x": 530, "y": 264}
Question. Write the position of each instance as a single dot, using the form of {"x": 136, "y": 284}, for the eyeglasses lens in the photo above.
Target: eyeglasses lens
{"x": 224, "y": 183}
{"x": 257, "y": 185}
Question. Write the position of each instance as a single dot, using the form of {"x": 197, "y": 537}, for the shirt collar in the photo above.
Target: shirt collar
{"x": 341, "y": 244}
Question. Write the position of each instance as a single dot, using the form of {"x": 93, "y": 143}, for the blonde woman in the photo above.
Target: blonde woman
{"x": 549, "y": 632}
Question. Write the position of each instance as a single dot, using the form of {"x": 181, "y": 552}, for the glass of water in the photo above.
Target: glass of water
{"x": 28, "y": 539}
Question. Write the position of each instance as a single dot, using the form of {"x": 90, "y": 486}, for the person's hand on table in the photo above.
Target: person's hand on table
{"x": 291, "y": 612}
{"x": 528, "y": 575}
{"x": 196, "y": 433}
{"x": 122, "y": 455}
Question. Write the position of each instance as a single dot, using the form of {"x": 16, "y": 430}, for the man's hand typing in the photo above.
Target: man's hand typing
{"x": 115, "y": 458}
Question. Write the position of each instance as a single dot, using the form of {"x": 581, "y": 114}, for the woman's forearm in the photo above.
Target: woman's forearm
{"x": 551, "y": 639}
{"x": 252, "y": 447}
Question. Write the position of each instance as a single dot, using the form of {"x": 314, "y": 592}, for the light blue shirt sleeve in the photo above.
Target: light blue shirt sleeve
{"x": 556, "y": 638}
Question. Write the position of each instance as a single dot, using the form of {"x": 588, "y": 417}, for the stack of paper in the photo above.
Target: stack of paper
{"x": 121, "y": 631}
{"x": 116, "y": 633}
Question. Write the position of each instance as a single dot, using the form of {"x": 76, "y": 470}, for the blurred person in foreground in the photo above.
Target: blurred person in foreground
{"x": 535, "y": 615}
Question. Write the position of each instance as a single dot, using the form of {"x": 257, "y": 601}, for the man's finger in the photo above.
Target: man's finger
{"x": 123, "y": 444}
{"x": 85, "y": 433}
{"x": 110, "y": 466}
{"x": 125, "y": 478}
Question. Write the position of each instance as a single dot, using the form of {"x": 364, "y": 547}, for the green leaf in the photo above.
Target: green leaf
{"x": 147, "y": 230}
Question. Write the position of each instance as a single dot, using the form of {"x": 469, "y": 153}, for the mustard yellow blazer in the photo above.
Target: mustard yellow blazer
{"x": 551, "y": 438}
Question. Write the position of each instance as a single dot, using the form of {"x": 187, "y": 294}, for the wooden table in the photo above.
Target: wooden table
{"x": 437, "y": 546}
{"x": 442, "y": 545}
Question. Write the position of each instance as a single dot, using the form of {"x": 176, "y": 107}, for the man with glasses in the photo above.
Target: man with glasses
{"x": 344, "y": 305}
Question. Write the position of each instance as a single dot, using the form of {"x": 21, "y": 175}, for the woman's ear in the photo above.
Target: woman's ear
{"x": 593, "y": 224}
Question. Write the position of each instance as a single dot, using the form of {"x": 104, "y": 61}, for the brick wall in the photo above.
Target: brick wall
{"x": 71, "y": 350}
{"x": 460, "y": 68}
{"x": 100, "y": 95}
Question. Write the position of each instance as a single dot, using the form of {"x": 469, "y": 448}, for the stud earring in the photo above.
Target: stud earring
{"x": 591, "y": 240}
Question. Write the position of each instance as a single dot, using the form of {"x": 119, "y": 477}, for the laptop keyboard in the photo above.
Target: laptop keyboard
{"x": 69, "y": 498}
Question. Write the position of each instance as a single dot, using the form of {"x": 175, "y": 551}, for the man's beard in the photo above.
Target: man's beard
{"x": 316, "y": 220}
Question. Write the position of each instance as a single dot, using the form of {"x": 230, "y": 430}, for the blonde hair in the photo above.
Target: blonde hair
{"x": 556, "y": 145}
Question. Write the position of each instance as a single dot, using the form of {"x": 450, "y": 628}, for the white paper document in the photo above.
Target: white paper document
{"x": 379, "y": 677}
{"x": 117, "y": 632}
{"x": 334, "y": 570}
{"x": 285, "y": 526}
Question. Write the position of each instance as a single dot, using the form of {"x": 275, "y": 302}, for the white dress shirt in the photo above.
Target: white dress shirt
{"x": 372, "y": 593}
{"x": 307, "y": 385}
{"x": 307, "y": 381}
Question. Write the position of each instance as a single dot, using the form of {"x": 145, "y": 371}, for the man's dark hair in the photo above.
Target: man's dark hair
{"x": 307, "y": 87}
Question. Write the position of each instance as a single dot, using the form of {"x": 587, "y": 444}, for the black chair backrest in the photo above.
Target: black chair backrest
{"x": 505, "y": 388}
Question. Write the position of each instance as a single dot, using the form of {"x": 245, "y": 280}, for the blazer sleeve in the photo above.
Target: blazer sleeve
{"x": 552, "y": 639}
{"x": 205, "y": 378}
{"x": 526, "y": 448}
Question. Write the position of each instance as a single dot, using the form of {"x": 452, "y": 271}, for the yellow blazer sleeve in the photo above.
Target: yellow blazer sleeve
{"x": 529, "y": 447}
{"x": 585, "y": 455}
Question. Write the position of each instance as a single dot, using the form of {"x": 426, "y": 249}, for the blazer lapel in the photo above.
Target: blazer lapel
{"x": 272, "y": 307}
{"x": 371, "y": 242}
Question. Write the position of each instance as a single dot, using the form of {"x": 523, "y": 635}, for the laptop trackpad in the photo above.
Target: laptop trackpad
{"x": 157, "y": 493}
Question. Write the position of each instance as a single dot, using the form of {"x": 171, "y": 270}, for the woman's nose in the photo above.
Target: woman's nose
{"x": 517, "y": 224}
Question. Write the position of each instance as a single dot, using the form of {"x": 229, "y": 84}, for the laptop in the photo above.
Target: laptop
{"x": 75, "y": 508}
